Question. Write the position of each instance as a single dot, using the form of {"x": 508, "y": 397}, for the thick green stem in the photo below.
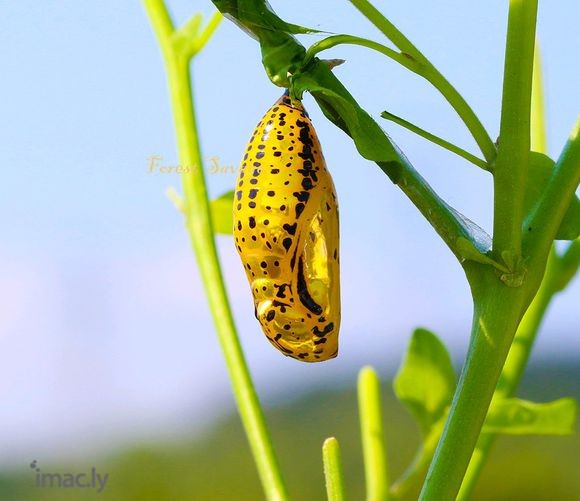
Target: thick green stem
{"x": 496, "y": 317}
{"x": 199, "y": 225}
{"x": 514, "y": 143}
{"x": 559, "y": 272}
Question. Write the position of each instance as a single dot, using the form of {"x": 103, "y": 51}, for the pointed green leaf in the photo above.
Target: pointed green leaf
{"x": 469, "y": 252}
{"x": 513, "y": 416}
{"x": 538, "y": 175}
{"x": 222, "y": 213}
{"x": 426, "y": 380}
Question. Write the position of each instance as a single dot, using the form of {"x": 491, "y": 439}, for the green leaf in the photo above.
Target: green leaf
{"x": 539, "y": 173}
{"x": 222, "y": 213}
{"x": 426, "y": 380}
{"x": 513, "y": 416}
{"x": 341, "y": 108}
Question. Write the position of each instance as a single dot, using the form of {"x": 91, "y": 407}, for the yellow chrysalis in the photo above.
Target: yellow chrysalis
{"x": 286, "y": 232}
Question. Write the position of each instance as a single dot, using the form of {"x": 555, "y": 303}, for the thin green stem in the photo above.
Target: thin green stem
{"x": 199, "y": 225}
{"x": 333, "y": 470}
{"x": 514, "y": 143}
{"x": 431, "y": 74}
{"x": 437, "y": 140}
{"x": 373, "y": 439}
{"x": 387, "y": 28}
{"x": 335, "y": 40}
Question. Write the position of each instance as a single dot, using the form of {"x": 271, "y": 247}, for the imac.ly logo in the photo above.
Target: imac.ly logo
{"x": 92, "y": 480}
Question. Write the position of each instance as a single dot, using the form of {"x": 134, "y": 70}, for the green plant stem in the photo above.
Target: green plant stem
{"x": 527, "y": 330}
{"x": 497, "y": 308}
{"x": 437, "y": 140}
{"x": 431, "y": 74}
{"x": 496, "y": 316}
{"x": 334, "y": 40}
{"x": 559, "y": 272}
{"x": 201, "y": 233}
{"x": 333, "y": 470}
{"x": 373, "y": 439}
{"x": 514, "y": 143}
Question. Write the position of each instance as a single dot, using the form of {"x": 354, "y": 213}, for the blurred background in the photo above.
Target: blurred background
{"x": 108, "y": 356}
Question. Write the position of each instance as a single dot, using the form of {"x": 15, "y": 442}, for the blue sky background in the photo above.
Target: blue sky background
{"x": 105, "y": 333}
